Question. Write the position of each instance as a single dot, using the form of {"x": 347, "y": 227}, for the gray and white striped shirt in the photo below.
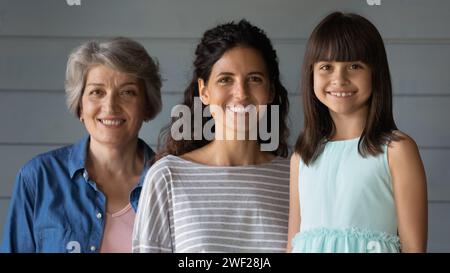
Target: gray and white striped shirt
{"x": 190, "y": 207}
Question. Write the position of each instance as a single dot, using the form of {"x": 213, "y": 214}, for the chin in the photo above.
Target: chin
{"x": 109, "y": 140}
{"x": 340, "y": 110}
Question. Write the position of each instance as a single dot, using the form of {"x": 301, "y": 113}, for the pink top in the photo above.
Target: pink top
{"x": 118, "y": 231}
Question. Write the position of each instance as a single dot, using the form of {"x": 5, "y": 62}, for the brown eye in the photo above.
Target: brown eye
{"x": 128, "y": 93}
{"x": 95, "y": 92}
{"x": 325, "y": 67}
{"x": 355, "y": 66}
{"x": 255, "y": 79}
{"x": 224, "y": 80}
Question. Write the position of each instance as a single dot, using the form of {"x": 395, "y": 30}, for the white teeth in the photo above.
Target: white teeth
{"x": 239, "y": 109}
{"x": 342, "y": 94}
{"x": 112, "y": 122}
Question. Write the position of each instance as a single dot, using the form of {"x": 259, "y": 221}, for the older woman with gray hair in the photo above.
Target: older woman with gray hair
{"x": 83, "y": 197}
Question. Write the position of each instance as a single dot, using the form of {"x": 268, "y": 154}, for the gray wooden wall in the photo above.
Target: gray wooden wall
{"x": 36, "y": 37}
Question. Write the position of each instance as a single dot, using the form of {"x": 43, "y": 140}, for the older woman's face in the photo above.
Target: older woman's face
{"x": 112, "y": 106}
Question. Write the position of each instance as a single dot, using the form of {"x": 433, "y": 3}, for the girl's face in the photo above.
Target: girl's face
{"x": 238, "y": 81}
{"x": 344, "y": 87}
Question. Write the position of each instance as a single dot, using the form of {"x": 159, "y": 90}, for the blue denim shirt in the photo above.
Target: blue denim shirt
{"x": 55, "y": 207}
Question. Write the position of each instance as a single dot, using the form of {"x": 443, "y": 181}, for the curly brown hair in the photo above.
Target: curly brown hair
{"x": 214, "y": 43}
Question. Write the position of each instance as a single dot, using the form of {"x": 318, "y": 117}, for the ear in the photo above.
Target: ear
{"x": 80, "y": 113}
{"x": 203, "y": 91}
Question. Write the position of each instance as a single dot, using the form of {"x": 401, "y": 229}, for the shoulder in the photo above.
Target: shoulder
{"x": 199, "y": 155}
{"x": 35, "y": 172}
{"x": 46, "y": 161}
{"x": 163, "y": 167}
{"x": 403, "y": 149}
{"x": 161, "y": 164}
{"x": 165, "y": 162}
{"x": 403, "y": 146}
{"x": 278, "y": 166}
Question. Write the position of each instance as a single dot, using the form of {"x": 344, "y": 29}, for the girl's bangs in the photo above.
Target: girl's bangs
{"x": 340, "y": 43}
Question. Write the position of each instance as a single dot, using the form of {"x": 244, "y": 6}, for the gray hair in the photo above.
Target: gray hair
{"x": 122, "y": 54}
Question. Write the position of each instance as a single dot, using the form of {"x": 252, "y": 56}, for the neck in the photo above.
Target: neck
{"x": 123, "y": 160}
{"x": 349, "y": 126}
{"x": 237, "y": 153}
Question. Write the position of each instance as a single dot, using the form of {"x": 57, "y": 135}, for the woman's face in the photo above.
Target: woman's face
{"x": 237, "y": 86}
{"x": 112, "y": 106}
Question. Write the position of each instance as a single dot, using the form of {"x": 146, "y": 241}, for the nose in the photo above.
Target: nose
{"x": 340, "y": 77}
{"x": 111, "y": 103}
{"x": 240, "y": 91}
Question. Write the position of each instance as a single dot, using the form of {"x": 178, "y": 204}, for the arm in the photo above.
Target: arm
{"x": 18, "y": 233}
{"x": 294, "y": 206}
{"x": 410, "y": 192}
{"x": 151, "y": 231}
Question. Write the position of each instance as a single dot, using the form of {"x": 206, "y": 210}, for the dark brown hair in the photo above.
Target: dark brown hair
{"x": 214, "y": 43}
{"x": 344, "y": 37}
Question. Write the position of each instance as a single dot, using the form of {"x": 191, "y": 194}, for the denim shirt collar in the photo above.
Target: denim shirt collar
{"x": 77, "y": 160}
{"x": 77, "y": 157}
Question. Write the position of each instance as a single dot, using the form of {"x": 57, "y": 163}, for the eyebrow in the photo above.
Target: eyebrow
{"x": 95, "y": 84}
{"x": 318, "y": 62}
{"x": 257, "y": 73}
{"x": 225, "y": 74}
{"x": 232, "y": 74}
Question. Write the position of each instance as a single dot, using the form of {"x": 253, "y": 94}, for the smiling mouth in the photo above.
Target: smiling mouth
{"x": 341, "y": 94}
{"x": 240, "y": 109}
{"x": 111, "y": 122}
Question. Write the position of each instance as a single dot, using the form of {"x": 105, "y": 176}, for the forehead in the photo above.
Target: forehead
{"x": 338, "y": 63}
{"x": 240, "y": 60}
{"x": 104, "y": 74}
{"x": 339, "y": 47}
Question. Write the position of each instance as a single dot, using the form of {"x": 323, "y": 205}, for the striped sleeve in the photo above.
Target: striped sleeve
{"x": 151, "y": 233}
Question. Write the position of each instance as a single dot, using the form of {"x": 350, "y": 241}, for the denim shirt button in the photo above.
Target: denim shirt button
{"x": 99, "y": 215}
{"x": 93, "y": 248}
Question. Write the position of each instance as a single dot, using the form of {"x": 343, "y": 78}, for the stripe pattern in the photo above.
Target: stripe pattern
{"x": 190, "y": 207}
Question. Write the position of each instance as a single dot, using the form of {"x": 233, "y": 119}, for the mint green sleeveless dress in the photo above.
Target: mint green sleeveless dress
{"x": 346, "y": 202}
